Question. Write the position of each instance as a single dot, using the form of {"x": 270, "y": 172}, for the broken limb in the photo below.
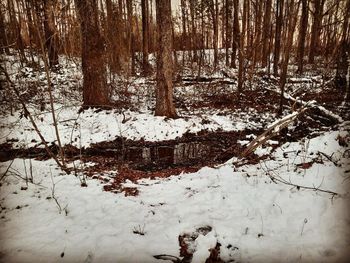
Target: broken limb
{"x": 271, "y": 131}
{"x": 311, "y": 104}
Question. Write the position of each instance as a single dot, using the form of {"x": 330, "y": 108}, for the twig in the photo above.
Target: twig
{"x": 273, "y": 178}
{"x": 8, "y": 168}
{"x": 53, "y": 194}
{"x": 329, "y": 158}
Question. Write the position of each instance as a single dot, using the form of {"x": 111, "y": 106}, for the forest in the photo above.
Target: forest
{"x": 193, "y": 131}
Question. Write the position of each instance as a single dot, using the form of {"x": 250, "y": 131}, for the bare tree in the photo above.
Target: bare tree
{"x": 241, "y": 52}
{"x": 302, "y": 35}
{"x": 266, "y": 33}
{"x": 236, "y": 34}
{"x": 51, "y": 35}
{"x": 164, "y": 94}
{"x": 292, "y": 14}
{"x": 278, "y": 31}
{"x": 93, "y": 59}
{"x": 317, "y": 15}
{"x": 4, "y": 46}
{"x": 146, "y": 67}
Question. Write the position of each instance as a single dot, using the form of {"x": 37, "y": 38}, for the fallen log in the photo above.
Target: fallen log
{"x": 271, "y": 131}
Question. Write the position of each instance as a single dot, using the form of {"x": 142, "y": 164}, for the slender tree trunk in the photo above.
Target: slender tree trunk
{"x": 51, "y": 34}
{"x": 293, "y": 11}
{"x": 241, "y": 53}
{"x": 214, "y": 11}
{"x": 343, "y": 56}
{"x": 193, "y": 31}
{"x": 16, "y": 30}
{"x": 249, "y": 35}
{"x": 93, "y": 60}
{"x": 184, "y": 33}
{"x": 145, "y": 33}
{"x": 302, "y": 35}
{"x": 315, "y": 30}
{"x": 164, "y": 94}
{"x": 235, "y": 37}
{"x": 31, "y": 28}
{"x": 4, "y": 48}
{"x": 279, "y": 16}
{"x": 216, "y": 34}
{"x": 227, "y": 30}
{"x": 266, "y": 33}
{"x": 258, "y": 33}
{"x": 131, "y": 37}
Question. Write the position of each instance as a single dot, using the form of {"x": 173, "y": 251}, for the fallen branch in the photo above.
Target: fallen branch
{"x": 312, "y": 104}
{"x": 8, "y": 168}
{"x": 271, "y": 131}
{"x": 329, "y": 158}
{"x": 168, "y": 257}
{"x": 275, "y": 179}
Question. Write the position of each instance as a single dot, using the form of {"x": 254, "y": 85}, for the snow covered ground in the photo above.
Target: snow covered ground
{"x": 253, "y": 218}
{"x": 283, "y": 209}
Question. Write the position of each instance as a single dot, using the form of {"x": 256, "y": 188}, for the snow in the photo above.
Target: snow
{"x": 258, "y": 213}
{"x": 203, "y": 245}
{"x": 254, "y": 219}
{"x": 92, "y": 127}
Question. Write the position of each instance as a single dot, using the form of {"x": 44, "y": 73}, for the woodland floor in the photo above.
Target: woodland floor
{"x": 177, "y": 187}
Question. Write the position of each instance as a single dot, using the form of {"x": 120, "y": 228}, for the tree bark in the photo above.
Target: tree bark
{"x": 241, "y": 53}
{"x": 266, "y": 33}
{"x": 51, "y": 34}
{"x": 279, "y": 16}
{"x": 315, "y": 30}
{"x": 258, "y": 33}
{"x": 293, "y": 11}
{"x": 227, "y": 31}
{"x": 302, "y": 35}
{"x": 164, "y": 93}
{"x": 131, "y": 37}
{"x": 235, "y": 37}
{"x": 146, "y": 67}
{"x": 193, "y": 31}
{"x": 93, "y": 59}
{"x": 3, "y": 37}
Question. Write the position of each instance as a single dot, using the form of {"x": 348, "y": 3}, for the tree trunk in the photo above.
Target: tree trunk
{"x": 315, "y": 30}
{"x": 93, "y": 60}
{"x": 241, "y": 52}
{"x": 15, "y": 27}
{"x": 3, "y": 37}
{"x": 302, "y": 35}
{"x": 235, "y": 37}
{"x": 343, "y": 56}
{"x": 293, "y": 12}
{"x": 214, "y": 11}
{"x": 266, "y": 33}
{"x": 184, "y": 33}
{"x": 164, "y": 94}
{"x": 51, "y": 34}
{"x": 193, "y": 31}
{"x": 279, "y": 17}
{"x": 257, "y": 33}
{"x": 131, "y": 40}
{"x": 146, "y": 67}
{"x": 227, "y": 30}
